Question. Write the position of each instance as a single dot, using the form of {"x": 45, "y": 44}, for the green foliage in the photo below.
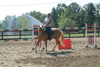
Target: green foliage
{"x": 79, "y": 18}
{"x": 22, "y": 22}
{"x": 18, "y": 23}
{"x": 3, "y": 26}
{"x": 61, "y": 16}
{"x": 6, "y": 19}
{"x": 71, "y": 23}
{"x": 97, "y": 12}
{"x": 13, "y": 22}
{"x": 39, "y": 16}
{"x": 54, "y": 17}
{"x": 25, "y": 22}
{"x": 90, "y": 11}
{"x": 62, "y": 20}
{"x": 61, "y": 8}
{"x": 72, "y": 10}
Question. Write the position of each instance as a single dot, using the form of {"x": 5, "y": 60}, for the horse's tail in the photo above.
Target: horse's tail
{"x": 62, "y": 38}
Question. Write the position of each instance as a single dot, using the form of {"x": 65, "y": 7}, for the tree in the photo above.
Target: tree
{"x": 6, "y": 20}
{"x": 72, "y": 10}
{"x": 90, "y": 11}
{"x": 13, "y": 22}
{"x": 97, "y": 14}
{"x": 25, "y": 22}
{"x": 54, "y": 17}
{"x": 42, "y": 17}
{"x": 0, "y": 24}
{"x": 3, "y": 26}
{"x": 18, "y": 23}
{"x": 38, "y": 15}
{"x": 62, "y": 20}
{"x": 61, "y": 8}
{"x": 70, "y": 23}
{"x": 79, "y": 18}
{"x": 10, "y": 22}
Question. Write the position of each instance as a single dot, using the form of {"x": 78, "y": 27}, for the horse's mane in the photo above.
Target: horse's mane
{"x": 42, "y": 28}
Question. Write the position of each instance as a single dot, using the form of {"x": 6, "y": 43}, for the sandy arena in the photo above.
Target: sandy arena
{"x": 18, "y": 54}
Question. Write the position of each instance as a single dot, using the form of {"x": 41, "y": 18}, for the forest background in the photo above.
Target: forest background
{"x": 62, "y": 16}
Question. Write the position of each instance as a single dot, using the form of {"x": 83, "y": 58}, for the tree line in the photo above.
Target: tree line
{"x": 62, "y": 16}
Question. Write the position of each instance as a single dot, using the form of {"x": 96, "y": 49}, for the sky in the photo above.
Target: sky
{"x": 19, "y": 7}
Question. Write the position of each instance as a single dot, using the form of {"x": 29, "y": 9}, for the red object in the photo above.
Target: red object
{"x": 15, "y": 29}
{"x": 40, "y": 44}
{"x": 16, "y": 40}
{"x": 92, "y": 39}
{"x": 35, "y": 40}
{"x": 35, "y": 30}
{"x": 90, "y": 29}
{"x": 67, "y": 43}
{"x": 90, "y": 25}
{"x": 36, "y": 26}
{"x": 71, "y": 28}
{"x": 88, "y": 39}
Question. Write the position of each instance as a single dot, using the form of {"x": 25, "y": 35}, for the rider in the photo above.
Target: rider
{"x": 46, "y": 24}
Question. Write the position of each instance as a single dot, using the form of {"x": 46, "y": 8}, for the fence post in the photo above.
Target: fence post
{"x": 84, "y": 33}
{"x": 2, "y": 35}
{"x": 20, "y": 34}
{"x": 69, "y": 33}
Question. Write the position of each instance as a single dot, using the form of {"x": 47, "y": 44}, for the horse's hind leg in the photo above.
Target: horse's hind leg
{"x": 57, "y": 42}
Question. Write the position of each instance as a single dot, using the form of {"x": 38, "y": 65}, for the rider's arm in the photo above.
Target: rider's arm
{"x": 43, "y": 22}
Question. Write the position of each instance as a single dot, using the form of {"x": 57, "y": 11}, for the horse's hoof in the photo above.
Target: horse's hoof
{"x": 35, "y": 51}
{"x": 59, "y": 49}
{"x": 42, "y": 49}
{"x": 45, "y": 51}
{"x": 32, "y": 49}
{"x": 52, "y": 50}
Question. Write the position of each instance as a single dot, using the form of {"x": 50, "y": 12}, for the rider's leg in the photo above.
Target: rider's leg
{"x": 49, "y": 32}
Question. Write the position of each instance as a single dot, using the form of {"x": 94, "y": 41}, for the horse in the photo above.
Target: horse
{"x": 43, "y": 36}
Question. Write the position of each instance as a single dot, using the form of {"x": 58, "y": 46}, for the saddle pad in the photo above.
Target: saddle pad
{"x": 53, "y": 32}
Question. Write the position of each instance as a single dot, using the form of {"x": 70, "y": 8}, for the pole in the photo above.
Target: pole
{"x": 86, "y": 36}
{"x": 88, "y": 39}
{"x": 95, "y": 46}
{"x": 32, "y": 37}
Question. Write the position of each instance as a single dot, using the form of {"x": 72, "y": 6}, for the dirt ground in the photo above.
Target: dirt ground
{"x": 18, "y": 54}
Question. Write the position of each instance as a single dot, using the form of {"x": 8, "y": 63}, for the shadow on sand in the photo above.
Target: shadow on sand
{"x": 55, "y": 53}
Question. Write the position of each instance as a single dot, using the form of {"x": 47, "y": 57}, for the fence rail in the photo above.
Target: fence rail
{"x": 67, "y": 31}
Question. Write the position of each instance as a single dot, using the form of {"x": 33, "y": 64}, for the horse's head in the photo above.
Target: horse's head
{"x": 41, "y": 31}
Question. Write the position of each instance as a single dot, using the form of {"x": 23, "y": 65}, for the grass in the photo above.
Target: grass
{"x": 79, "y": 35}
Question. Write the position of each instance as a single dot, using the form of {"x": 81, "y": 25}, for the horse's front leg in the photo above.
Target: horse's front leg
{"x": 46, "y": 46}
{"x": 36, "y": 45}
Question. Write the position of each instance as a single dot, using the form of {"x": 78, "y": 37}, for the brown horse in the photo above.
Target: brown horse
{"x": 42, "y": 36}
